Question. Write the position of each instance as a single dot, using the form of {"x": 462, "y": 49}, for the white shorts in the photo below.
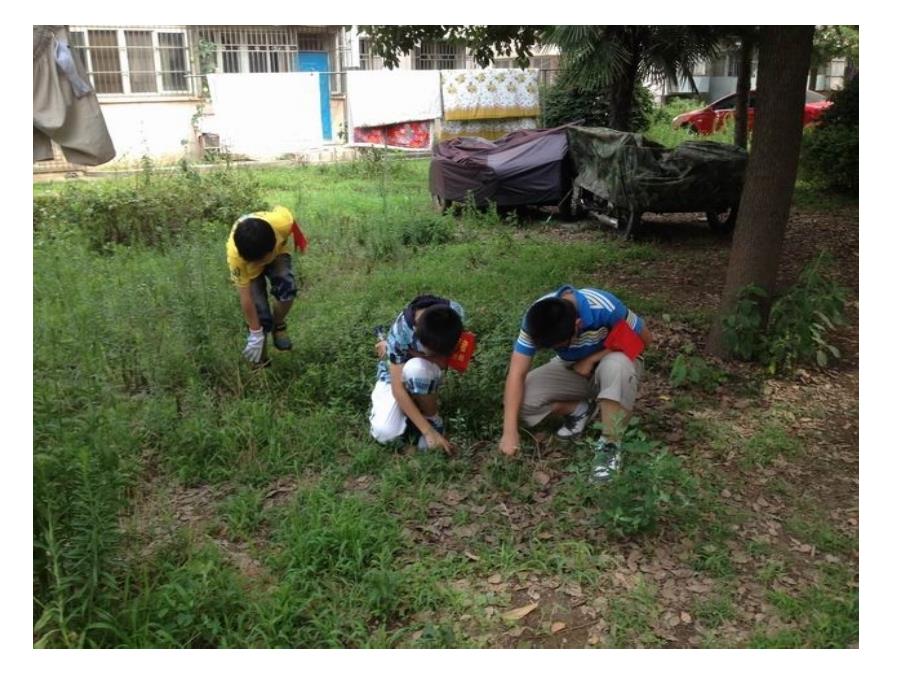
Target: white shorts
{"x": 388, "y": 421}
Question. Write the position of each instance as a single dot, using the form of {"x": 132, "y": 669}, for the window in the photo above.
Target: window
{"x": 438, "y": 55}
{"x": 133, "y": 61}
{"x": 727, "y": 103}
{"x": 734, "y": 64}
{"x": 367, "y": 59}
{"x": 172, "y": 61}
{"x": 251, "y": 49}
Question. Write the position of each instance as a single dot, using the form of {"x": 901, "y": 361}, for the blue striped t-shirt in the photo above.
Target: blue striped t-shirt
{"x": 598, "y": 310}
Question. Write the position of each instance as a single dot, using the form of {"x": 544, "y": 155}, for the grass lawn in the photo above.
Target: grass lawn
{"x": 182, "y": 499}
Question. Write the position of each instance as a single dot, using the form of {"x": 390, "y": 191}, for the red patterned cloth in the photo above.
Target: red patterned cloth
{"x": 406, "y": 135}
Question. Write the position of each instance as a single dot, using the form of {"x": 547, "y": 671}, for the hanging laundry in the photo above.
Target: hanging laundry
{"x": 386, "y": 97}
{"x": 481, "y": 94}
{"x": 266, "y": 115}
{"x": 486, "y": 129}
{"x": 404, "y": 135}
{"x": 64, "y": 107}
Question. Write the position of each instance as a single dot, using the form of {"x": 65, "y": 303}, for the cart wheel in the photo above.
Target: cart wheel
{"x": 441, "y": 205}
{"x": 628, "y": 222}
{"x": 723, "y": 221}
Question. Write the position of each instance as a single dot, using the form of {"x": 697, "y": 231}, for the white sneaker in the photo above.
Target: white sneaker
{"x": 574, "y": 425}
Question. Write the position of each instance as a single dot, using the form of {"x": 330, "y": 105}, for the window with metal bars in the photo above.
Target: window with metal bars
{"x": 367, "y": 58}
{"x": 438, "y": 55}
{"x": 134, "y": 61}
{"x": 252, "y": 49}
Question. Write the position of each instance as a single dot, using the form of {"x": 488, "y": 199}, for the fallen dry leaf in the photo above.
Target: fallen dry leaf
{"x": 519, "y": 613}
{"x": 495, "y": 579}
{"x": 541, "y": 478}
{"x": 556, "y": 627}
{"x": 471, "y": 556}
{"x": 686, "y": 617}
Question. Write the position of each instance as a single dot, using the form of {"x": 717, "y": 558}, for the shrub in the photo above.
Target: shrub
{"x": 150, "y": 209}
{"x": 798, "y": 323}
{"x": 563, "y": 103}
{"x": 830, "y": 150}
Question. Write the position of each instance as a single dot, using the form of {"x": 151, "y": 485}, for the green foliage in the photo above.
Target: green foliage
{"x": 151, "y": 209}
{"x": 742, "y": 328}
{"x": 651, "y": 487}
{"x": 830, "y": 150}
{"x": 692, "y": 371}
{"x": 564, "y": 103}
{"x": 799, "y": 321}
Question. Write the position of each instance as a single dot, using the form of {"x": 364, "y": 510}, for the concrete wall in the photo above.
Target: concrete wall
{"x": 161, "y": 130}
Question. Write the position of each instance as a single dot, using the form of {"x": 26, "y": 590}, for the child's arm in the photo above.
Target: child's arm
{"x": 514, "y": 396}
{"x": 410, "y": 409}
{"x": 249, "y": 308}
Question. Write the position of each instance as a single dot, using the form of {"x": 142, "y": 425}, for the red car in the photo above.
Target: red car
{"x": 714, "y": 116}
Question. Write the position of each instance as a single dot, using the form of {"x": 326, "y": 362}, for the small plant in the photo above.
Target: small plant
{"x": 652, "y": 486}
{"x": 691, "y": 371}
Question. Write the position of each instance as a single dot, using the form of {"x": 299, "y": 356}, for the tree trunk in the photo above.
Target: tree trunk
{"x": 770, "y": 177}
{"x": 623, "y": 95}
{"x": 744, "y": 91}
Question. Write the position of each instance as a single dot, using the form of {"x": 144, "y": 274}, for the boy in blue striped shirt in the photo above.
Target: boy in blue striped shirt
{"x": 582, "y": 378}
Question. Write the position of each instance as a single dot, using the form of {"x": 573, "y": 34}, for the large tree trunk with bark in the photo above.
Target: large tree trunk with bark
{"x": 770, "y": 178}
{"x": 744, "y": 92}
{"x": 622, "y": 94}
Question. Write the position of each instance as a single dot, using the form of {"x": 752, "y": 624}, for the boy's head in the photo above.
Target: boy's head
{"x": 254, "y": 238}
{"x": 438, "y": 328}
{"x": 551, "y": 322}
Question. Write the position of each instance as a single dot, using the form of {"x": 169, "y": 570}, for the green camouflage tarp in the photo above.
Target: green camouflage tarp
{"x": 633, "y": 172}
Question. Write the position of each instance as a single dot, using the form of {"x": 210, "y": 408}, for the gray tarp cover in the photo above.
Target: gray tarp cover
{"x": 632, "y": 172}
{"x": 523, "y": 167}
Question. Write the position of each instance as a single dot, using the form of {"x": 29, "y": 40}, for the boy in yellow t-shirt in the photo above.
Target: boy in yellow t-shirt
{"x": 258, "y": 249}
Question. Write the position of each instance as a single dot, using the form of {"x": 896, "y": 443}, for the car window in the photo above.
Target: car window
{"x": 814, "y": 96}
{"x": 727, "y": 103}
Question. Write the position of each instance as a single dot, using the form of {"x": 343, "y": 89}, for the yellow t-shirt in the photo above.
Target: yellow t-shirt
{"x": 243, "y": 272}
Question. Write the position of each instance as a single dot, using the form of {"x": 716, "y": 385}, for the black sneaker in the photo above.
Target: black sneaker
{"x": 608, "y": 459}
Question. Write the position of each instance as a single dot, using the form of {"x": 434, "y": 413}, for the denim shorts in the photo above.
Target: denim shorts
{"x": 280, "y": 275}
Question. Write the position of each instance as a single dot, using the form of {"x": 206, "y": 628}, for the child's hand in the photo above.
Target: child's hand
{"x": 254, "y": 343}
{"x": 436, "y": 440}
{"x": 585, "y": 367}
{"x": 509, "y": 445}
{"x": 380, "y": 347}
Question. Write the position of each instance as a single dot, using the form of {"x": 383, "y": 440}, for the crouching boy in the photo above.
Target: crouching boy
{"x": 413, "y": 359}
{"x": 583, "y": 377}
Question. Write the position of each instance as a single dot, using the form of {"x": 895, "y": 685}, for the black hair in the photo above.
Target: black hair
{"x": 438, "y": 328}
{"x": 254, "y": 238}
{"x": 551, "y": 321}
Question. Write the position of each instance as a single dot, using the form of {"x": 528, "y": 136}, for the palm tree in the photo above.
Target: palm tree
{"x": 618, "y": 58}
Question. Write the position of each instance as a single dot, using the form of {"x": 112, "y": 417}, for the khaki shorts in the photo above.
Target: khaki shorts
{"x": 615, "y": 378}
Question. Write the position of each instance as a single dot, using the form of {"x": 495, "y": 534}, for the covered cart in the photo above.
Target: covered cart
{"x": 620, "y": 175}
{"x": 526, "y": 167}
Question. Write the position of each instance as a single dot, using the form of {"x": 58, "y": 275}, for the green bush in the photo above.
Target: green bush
{"x": 798, "y": 324}
{"x": 151, "y": 208}
{"x": 563, "y": 103}
{"x": 830, "y": 150}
